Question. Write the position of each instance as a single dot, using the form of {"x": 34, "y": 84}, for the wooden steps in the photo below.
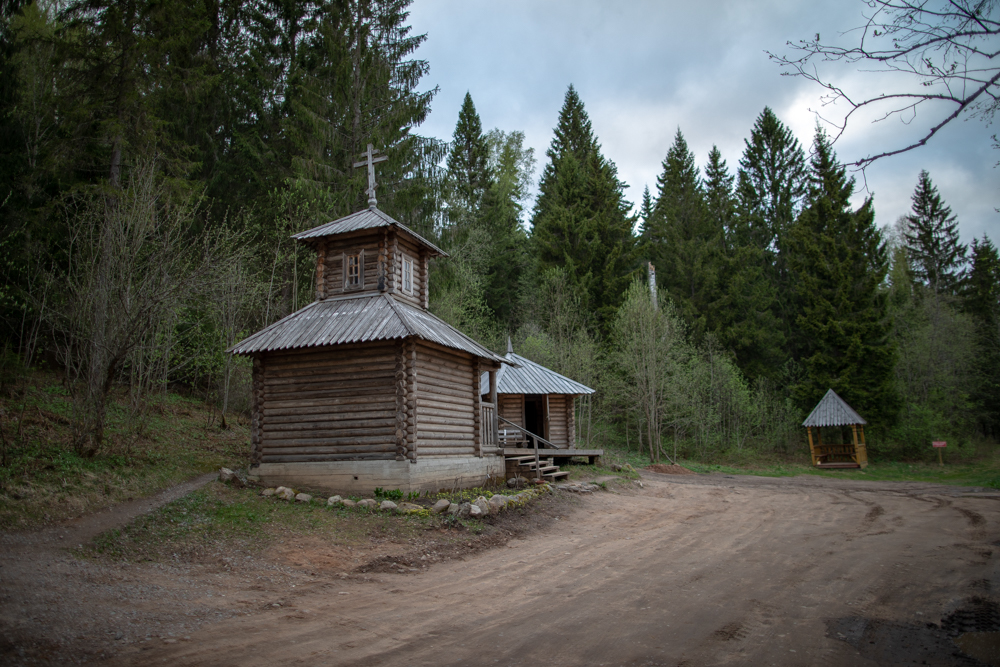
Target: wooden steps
{"x": 523, "y": 465}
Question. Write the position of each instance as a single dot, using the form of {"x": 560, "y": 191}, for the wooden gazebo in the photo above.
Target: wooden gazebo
{"x": 832, "y": 411}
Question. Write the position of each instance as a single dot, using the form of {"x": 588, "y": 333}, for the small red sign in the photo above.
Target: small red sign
{"x": 939, "y": 443}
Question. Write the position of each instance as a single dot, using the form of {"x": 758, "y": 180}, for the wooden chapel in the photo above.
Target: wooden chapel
{"x": 364, "y": 387}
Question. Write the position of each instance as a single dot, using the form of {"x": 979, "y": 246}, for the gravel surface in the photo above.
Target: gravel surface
{"x": 695, "y": 570}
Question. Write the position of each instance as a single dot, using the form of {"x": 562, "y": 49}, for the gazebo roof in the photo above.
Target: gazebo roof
{"x": 833, "y": 411}
{"x": 524, "y": 376}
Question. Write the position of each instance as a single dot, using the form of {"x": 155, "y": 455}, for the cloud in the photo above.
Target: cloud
{"x": 643, "y": 69}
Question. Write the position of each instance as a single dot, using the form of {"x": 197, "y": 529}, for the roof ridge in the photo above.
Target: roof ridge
{"x": 402, "y": 318}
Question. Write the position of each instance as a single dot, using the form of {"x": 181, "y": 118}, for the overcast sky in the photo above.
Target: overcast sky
{"x": 643, "y": 69}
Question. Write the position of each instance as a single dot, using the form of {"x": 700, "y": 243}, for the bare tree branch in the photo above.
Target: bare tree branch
{"x": 948, "y": 52}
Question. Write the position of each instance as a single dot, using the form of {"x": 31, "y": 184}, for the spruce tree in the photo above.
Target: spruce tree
{"x": 680, "y": 238}
{"x": 771, "y": 182}
{"x": 645, "y": 210}
{"x": 770, "y": 187}
{"x": 741, "y": 315}
{"x": 468, "y": 161}
{"x": 720, "y": 199}
{"x": 838, "y": 262}
{"x": 581, "y": 220}
{"x": 981, "y": 292}
{"x": 936, "y": 255}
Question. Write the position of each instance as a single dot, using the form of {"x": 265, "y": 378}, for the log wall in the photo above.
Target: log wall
{"x": 561, "y": 417}
{"x": 329, "y": 404}
{"x": 557, "y": 421}
{"x": 512, "y": 408}
{"x": 405, "y": 246}
{"x": 333, "y": 266}
{"x": 446, "y": 403}
{"x": 383, "y": 265}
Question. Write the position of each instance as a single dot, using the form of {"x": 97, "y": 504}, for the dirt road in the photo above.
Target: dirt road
{"x": 701, "y": 570}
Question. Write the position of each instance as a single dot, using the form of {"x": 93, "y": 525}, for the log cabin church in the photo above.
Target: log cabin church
{"x": 365, "y": 388}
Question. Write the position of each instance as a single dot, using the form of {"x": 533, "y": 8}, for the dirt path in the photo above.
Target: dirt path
{"x": 701, "y": 570}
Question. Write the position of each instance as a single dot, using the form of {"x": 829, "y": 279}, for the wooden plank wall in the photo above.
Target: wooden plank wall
{"x": 329, "y": 404}
{"x": 445, "y": 402}
{"x": 557, "y": 420}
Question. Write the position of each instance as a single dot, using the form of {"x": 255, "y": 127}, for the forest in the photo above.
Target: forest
{"x": 157, "y": 155}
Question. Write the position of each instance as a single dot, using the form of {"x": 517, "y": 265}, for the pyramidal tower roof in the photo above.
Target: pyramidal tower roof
{"x": 369, "y": 218}
{"x": 832, "y": 410}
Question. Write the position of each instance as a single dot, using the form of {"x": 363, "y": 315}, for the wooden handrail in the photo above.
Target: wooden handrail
{"x": 528, "y": 433}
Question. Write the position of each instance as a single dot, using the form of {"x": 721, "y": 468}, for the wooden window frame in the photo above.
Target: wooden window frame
{"x": 348, "y": 287}
{"x": 407, "y": 261}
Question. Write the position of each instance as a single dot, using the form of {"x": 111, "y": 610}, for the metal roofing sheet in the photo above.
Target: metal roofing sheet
{"x": 833, "y": 411}
{"x": 358, "y": 319}
{"x": 531, "y": 378}
{"x": 369, "y": 218}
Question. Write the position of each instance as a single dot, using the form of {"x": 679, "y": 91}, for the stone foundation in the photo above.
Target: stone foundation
{"x": 363, "y": 477}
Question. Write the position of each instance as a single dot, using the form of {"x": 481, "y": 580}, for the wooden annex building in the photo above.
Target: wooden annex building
{"x": 833, "y": 412}
{"x": 365, "y": 388}
{"x": 536, "y": 399}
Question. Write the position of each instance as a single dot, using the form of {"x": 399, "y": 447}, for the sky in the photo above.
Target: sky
{"x": 644, "y": 69}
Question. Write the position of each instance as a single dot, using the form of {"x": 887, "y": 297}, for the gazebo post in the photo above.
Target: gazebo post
{"x": 862, "y": 449}
{"x": 854, "y": 432}
{"x": 812, "y": 449}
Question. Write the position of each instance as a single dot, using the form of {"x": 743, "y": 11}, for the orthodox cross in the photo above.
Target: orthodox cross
{"x": 369, "y": 161}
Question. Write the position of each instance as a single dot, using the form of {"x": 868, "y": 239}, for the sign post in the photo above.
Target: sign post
{"x": 939, "y": 445}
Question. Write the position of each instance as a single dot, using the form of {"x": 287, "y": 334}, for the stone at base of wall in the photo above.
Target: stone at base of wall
{"x": 363, "y": 477}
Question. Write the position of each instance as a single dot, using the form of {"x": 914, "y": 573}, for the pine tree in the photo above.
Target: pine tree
{"x": 581, "y": 220}
{"x": 838, "y": 262}
{"x": 981, "y": 292}
{"x": 932, "y": 240}
{"x": 680, "y": 238}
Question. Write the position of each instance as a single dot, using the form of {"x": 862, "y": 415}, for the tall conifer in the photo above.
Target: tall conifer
{"x": 742, "y": 314}
{"x": 681, "y": 240}
{"x": 936, "y": 256}
{"x": 468, "y": 160}
{"x": 581, "y": 220}
{"x": 838, "y": 262}
{"x": 981, "y": 291}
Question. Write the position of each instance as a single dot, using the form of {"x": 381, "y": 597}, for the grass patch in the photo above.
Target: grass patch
{"x": 219, "y": 519}
{"x": 981, "y": 471}
{"x": 45, "y": 481}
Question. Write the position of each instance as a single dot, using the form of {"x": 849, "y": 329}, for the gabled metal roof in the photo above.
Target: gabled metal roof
{"x": 369, "y": 218}
{"x": 530, "y": 378}
{"x": 358, "y": 319}
{"x": 833, "y": 411}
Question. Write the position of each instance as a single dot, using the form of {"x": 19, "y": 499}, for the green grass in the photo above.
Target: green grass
{"x": 220, "y": 518}
{"x": 983, "y": 470}
{"x": 45, "y": 481}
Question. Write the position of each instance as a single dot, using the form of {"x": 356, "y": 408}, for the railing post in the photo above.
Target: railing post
{"x": 538, "y": 467}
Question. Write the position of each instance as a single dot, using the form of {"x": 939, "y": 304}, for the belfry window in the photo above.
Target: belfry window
{"x": 407, "y": 275}
{"x": 354, "y": 270}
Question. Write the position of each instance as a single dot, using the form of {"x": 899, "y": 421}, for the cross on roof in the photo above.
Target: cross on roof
{"x": 369, "y": 161}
